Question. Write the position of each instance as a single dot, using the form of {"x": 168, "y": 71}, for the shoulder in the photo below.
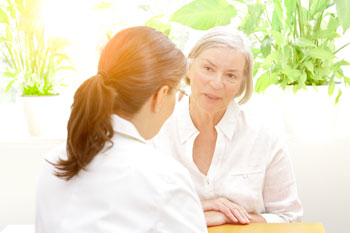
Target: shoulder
{"x": 163, "y": 166}
{"x": 56, "y": 153}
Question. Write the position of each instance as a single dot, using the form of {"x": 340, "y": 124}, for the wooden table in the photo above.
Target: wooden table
{"x": 270, "y": 228}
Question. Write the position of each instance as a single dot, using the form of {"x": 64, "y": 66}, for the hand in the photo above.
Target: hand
{"x": 256, "y": 218}
{"x": 215, "y": 218}
{"x": 235, "y": 213}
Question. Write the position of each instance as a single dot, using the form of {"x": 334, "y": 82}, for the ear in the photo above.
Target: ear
{"x": 159, "y": 98}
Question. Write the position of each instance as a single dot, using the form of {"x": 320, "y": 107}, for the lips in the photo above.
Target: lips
{"x": 211, "y": 96}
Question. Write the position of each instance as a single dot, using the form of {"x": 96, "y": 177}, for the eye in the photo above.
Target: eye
{"x": 208, "y": 68}
{"x": 231, "y": 77}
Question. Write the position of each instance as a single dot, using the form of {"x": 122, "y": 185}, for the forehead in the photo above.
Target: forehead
{"x": 223, "y": 57}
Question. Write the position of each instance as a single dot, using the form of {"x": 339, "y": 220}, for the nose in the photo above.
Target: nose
{"x": 217, "y": 82}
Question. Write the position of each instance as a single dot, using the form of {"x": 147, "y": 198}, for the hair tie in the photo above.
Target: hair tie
{"x": 103, "y": 74}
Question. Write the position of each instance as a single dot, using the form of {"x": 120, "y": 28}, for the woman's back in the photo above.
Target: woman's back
{"x": 128, "y": 188}
{"x": 107, "y": 178}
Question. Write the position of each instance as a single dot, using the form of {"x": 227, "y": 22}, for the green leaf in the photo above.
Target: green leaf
{"x": 302, "y": 79}
{"x": 204, "y": 14}
{"x": 255, "y": 51}
{"x": 321, "y": 53}
{"x": 277, "y": 36}
{"x": 325, "y": 34}
{"x": 102, "y": 6}
{"x": 9, "y": 74}
{"x": 303, "y": 42}
{"x": 276, "y": 22}
{"x": 158, "y": 22}
{"x": 333, "y": 23}
{"x": 270, "y": 58}
{"x": 264, "y": 81}
{"x": 3, "y": 17}
{"x": 321, "y": 6}
{"x": 338, "y": 96}
{"x": 9, "y": 85}
{"x": 331, "y": 86}
{"x": 251, "y": 21}
{"x": 278, "y": 9}
{"x": 290, "y": 8}
{"x": 343, "y": 12}
{"x": 292, "y": 74}
{"x": 266, "y": 46}
{"x": 256, "y": 68}
{"x": 296, "y": 88}
{"x": 310, "y": 66}
{"x": 347, "y": 81}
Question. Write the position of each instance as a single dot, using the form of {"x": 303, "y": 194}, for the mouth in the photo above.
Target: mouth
{"x": 211, "y": 96}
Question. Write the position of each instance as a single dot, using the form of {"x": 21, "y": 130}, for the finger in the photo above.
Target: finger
{"x": 247, "y": 214}
{"x": 242, "y": 210}
{"x": 240, "y": 218}
{"x": 244, "y": 214}
{"x": 227, "y": 212}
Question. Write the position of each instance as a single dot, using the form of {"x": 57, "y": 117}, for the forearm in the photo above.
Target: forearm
{"x": 257, "y": 218}
{"x": 215, "y": 218}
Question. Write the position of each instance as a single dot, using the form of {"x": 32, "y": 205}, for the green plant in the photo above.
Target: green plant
{"x": 296, "y": 44}
{"x": 33, "y": 60}
{"x": 293, "y": 44}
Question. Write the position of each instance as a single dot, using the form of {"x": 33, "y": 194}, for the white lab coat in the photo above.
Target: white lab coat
{"x": 128, "y": 188}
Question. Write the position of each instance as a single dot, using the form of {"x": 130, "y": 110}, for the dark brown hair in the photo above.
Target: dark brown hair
{"x": 134, "y": 64}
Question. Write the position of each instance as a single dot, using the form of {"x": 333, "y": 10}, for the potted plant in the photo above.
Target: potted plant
{"x": 295, "y": 49}
{"x": 296, "y": 44}
{"x": 293, "y": 44}
{"x": 32, "y": 59}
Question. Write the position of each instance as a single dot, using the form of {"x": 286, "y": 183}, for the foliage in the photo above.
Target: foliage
{"x": 33, "y": 60}
{"x": 294, "y": 45}
{"x": 204, "y": 14}
{"x": 158, "y": 22}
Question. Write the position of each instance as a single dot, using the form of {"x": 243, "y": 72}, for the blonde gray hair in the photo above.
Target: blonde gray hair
{"x": 226, "y": 37}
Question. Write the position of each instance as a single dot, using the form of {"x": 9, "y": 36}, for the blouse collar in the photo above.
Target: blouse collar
{"x": 126, "y": 128}
{"x": 186, "y": 128}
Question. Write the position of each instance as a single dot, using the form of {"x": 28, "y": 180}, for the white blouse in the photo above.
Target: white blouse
{"x": 250, "y": 165}
{"x": 128, "y": 188}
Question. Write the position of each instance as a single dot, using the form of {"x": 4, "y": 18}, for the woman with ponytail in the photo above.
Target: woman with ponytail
{"x": 108, "y": 177}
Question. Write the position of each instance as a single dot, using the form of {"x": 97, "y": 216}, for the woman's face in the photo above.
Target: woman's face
{"x": 216, "y": 76}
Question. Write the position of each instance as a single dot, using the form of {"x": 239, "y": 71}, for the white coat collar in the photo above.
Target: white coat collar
{"x": 186, "y": 127}
{"x": 126, "y": 128}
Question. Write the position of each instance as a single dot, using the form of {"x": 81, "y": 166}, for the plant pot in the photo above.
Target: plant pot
{"x": 45, "y": 115}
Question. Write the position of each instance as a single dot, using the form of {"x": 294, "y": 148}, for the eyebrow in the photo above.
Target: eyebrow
{"x": 211, "y": 63}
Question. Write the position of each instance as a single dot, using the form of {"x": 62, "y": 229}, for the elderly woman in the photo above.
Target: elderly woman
{"x": 239, "y": 166}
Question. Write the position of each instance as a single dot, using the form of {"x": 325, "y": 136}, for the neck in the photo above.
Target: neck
{"x": 204, "y": 120}
{"x": 141, "y": 120}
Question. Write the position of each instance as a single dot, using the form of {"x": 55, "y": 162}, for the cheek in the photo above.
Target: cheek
{"x": 233, "y": 91}
{"x": 197, "y": 81}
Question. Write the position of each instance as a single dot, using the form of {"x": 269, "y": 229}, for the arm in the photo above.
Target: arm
{"x": 181, "y": 210}
{"x": 280, "y": 191}
{"x": 221, "y": 210}
{"x": 216, "y": 218}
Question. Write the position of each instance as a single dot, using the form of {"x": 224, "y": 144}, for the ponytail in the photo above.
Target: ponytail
{"x": 133, "y": 66}
{"x": 89, "y": 126}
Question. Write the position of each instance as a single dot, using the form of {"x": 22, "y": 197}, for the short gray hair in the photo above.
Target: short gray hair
{"x": 228, "y": 37}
